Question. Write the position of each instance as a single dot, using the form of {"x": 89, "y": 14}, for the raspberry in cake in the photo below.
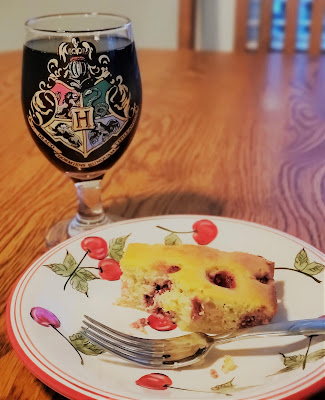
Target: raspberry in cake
{"x": 200, "y": 288}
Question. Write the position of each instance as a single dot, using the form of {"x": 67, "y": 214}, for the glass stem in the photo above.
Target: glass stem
{"x": 90, "y": 210}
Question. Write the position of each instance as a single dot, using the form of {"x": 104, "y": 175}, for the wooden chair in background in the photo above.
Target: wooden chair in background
{"x": 186, "y": 24}
{"x": 265, "y": 24}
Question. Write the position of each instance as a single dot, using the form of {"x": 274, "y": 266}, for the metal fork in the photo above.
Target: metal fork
{"x": 188, "y": 349}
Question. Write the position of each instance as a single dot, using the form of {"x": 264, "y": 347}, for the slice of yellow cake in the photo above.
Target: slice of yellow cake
{"x": 200, "y": 288}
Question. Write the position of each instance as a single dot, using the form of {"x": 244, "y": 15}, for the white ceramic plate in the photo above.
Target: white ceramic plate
{"x": 269, "y": 368}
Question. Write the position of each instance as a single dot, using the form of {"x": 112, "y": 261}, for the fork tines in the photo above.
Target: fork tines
{"x": 139, "y": 350}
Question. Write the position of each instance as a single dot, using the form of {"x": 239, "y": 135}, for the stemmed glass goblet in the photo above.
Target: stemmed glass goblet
{"x": 81, "y": 95}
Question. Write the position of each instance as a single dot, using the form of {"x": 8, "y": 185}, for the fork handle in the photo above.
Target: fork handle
{"x": 305, "y": 327}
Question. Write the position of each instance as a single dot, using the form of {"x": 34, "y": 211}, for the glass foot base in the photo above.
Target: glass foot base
{"x": 68, "y": 228}
{"x": 80, "y": 225}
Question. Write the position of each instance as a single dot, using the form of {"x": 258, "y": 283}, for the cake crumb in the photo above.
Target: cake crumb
{"x": 228, "y": 365}
{"x": 214, "y": 373}
{"x": 140, "y": 324}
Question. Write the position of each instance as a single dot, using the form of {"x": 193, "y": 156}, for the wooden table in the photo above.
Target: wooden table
{"x": 237, "y": 135}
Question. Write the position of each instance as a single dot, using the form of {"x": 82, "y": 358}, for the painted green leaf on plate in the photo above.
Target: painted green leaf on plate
{"x": 65, "y": 269}
{"x": 59, "y": 269}
{"x": 293, "y": 361}
{"x": 116, "y": 247}
{"x": 316, "y": 355}
{"x": 69, "y": 261}
{"x": 301, "y": 260}
{"x": 79, "y": 284}
{"x": 228, "y": 387}
{"x": 172, "y": 239}
{"x": 224, "y": 386}
{"x": 85, "y": 274}
{"x": 314, "y": 268}
{"x": 82, "y": 344}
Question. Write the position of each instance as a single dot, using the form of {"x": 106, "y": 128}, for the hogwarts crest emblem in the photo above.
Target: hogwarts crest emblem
{"x": 81, "y": 104}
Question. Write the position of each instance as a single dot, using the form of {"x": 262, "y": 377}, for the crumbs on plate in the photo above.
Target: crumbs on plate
{"x": 213, "y": 373}
{"x": 228, "y": 364}
{"x": 140, "y": 324}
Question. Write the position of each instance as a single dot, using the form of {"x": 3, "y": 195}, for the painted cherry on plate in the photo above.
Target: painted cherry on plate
{"x": 204, "y": 231}
{"x": 109, "y": 269}
{"x": 161, "y": 323}
{"x": 154, "y": 381}
{"x": 95, "y": 246}
{"x": 44, "y": 317}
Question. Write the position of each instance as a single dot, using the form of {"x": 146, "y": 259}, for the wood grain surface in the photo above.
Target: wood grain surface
{"x": 236, "y": 135}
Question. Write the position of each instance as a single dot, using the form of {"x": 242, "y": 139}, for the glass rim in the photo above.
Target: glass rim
{"x": 84, "y": 14}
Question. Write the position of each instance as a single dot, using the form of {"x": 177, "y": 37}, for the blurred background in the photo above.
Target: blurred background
{"x": 217, "y": 25}
{"x": 155, "y": 22}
